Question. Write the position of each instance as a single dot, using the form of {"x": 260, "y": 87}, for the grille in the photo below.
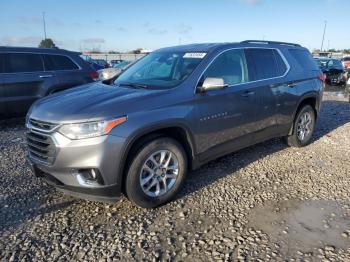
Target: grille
{"x": 41, "y": 147}
{"x": 42, "y": 125}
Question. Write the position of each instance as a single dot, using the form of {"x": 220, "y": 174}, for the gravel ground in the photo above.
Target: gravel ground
{"x": 266, "y": 202}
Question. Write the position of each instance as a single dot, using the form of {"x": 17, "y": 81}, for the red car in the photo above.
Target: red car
{"x": 346, "y": 62}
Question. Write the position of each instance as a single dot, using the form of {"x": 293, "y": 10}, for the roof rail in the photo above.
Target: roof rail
{"x": 268, "y": 42}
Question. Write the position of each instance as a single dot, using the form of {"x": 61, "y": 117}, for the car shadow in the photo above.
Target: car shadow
{"x": 333, "y": 114}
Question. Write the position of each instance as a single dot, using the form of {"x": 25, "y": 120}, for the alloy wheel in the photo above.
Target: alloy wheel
{"x": 159, "y": 173}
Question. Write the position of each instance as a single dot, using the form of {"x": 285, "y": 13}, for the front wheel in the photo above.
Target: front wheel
{"x": 303, "y": 127}
{"x": 156, "y": 173}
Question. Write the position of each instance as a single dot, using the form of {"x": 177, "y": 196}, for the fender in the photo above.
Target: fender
{"x": 150, "y": 129}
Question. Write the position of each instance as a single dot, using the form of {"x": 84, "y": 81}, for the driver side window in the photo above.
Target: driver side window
{"x": 230, "y": 66}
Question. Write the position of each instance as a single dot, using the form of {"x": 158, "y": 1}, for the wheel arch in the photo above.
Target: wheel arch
{"x": 178, "y": 132}
{"x": 309, "y": 99}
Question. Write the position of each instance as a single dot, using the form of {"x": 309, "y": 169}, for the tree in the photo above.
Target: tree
{"x": 137, "y": 51}
{"x": 47, "y": 43}
{"x": 114, "y": 52}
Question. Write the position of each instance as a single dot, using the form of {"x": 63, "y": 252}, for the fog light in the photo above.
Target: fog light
{"x": 89, "y": 177}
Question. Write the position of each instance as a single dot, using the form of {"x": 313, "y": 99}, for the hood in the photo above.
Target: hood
{"x": 89, "y": 102}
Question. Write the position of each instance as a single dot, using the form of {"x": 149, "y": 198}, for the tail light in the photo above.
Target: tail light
{"x": 94, "y": 75}
{"x": 322, "y": 77}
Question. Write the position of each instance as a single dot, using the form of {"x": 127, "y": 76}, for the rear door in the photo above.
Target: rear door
{"x": 24, "y": 81}
{"x": 69, "y": 73}
{"x": 267, "y": 71}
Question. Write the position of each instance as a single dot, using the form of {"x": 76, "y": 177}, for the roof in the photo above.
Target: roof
{"x": 207, "y": 47}
{"x": 35, "y": 50}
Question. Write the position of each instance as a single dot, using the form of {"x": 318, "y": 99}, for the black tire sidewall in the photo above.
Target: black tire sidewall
{"x": 309, "y": 109}
{"x": 132, "y": 184}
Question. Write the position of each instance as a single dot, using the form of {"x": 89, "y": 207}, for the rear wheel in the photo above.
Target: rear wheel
{"x": 156, "y": 173}
{"x": 303, "y": 127}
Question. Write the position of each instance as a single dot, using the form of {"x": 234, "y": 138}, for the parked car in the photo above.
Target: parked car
{"x": 346, "y": 62}
{"x": 92, "y": 63}
{"x": 101, "y": 62}
{"x": 112, "y": 72}
{"x": 108, "y": 73}
{"x": 114, "y": 62}
{"x": 122, "y": 65}
{"x": 333, "y": 70}
{"x": 173, "y": 110}
{"x": 27, "y": 74}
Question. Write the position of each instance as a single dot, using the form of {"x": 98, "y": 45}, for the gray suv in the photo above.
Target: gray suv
{"x": 27, "y": 74}
{"x": 175, "y": 109}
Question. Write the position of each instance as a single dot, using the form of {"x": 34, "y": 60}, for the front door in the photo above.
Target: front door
{"x": 226, "y": 118}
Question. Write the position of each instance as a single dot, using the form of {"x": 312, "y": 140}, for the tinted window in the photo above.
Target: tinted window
{"x": 2, "y": 62}
{"x": 59, "y": 62}
{"x": 264, "y": 63}
{"x": 230, "y": 66}
{"x": 281, "y": 65}
{"x": 346, "y": 59}
{"x": 303, "y": 58}
{"x": 23, "y": 62}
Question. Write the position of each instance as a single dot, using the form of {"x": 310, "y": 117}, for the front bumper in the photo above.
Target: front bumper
{"x": 99, "y": 153}
{"x": 102, "y": 194}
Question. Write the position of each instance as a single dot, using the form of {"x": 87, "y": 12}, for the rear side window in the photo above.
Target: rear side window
{"x": 264, "y": 63}
{"x": 230, "y": 66}
{"x": 304, "y": 59}
{"x": 23, "y": 62}
{"x": 59, "y": 62}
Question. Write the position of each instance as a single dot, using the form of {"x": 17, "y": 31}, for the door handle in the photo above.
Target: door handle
{"x": 45, "y": 76}
{"x": 248, "y": 93}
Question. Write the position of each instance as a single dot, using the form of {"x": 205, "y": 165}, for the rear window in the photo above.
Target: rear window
{"x": 303, "y": 58}
{"x": 59, "y": 62}
{"x": 23, "y": 62}
{"x": 264, "y": 63}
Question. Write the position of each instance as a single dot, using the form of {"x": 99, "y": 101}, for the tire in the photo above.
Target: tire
{"x": 295, "y": 139}
{"x": 146, "y": 164}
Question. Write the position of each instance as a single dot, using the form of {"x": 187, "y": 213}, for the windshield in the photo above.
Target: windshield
{"x": 161, "y": 70}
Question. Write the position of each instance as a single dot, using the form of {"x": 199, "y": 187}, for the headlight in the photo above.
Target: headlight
{"x": 90, "y": 129}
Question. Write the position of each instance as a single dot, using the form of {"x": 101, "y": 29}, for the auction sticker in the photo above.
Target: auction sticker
{"x": 194, "y": 55}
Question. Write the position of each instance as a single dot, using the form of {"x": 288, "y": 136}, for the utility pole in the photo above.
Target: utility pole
{"x": 44, "y": 24}
{"x": 324, "y": 32}
{"x": 328, "y": 45}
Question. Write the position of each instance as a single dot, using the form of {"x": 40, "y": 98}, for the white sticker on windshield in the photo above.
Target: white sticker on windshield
{"x": 194, "y": 55}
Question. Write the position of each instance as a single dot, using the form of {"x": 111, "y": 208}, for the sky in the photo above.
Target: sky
{"x": 126, "y": 25}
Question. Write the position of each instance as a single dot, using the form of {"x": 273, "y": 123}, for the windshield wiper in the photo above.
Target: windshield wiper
{"x": 135, "y": 85}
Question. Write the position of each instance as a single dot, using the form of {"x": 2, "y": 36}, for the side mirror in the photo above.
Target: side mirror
{"x": 212, "y": 83}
